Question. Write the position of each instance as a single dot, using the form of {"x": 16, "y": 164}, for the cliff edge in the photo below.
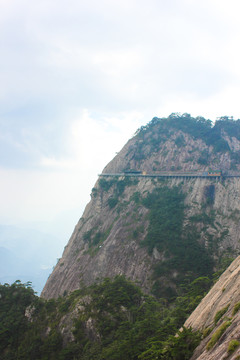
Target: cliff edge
{"x": 218, "y": 316}
{"x": 157, "y": 231}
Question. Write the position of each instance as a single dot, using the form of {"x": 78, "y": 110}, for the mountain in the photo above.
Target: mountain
{"x": 160, "y": 229}
{"x": 160, "y": 232}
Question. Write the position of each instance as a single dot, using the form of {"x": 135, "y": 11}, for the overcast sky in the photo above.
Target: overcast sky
{"x": 78, "y": 77}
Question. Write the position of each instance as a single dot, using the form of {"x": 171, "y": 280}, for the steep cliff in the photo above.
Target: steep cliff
{"x": 159, "y": 232}
{"x": 218, "y": 316}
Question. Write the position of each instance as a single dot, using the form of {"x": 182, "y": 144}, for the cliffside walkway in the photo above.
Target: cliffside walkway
{"x": 169, "y": 175}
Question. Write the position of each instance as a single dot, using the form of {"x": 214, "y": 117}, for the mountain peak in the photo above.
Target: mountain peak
{"x": 159, "y": 230}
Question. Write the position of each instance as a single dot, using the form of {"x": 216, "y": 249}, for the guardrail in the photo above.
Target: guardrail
{"x": 167, "y": 175}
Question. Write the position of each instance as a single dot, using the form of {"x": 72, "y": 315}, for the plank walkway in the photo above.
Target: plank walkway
{"x": 169, "y": 175}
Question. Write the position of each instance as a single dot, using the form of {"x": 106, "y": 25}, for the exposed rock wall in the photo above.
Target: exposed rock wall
{"x": 123, "y": 227}
{"x": 225, "y": 294}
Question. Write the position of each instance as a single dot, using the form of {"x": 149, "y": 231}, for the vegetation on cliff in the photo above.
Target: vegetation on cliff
{"x": 110, "y": 320}
{"x": 183, "y": 257}
{"x": 198, "y": 128}
{"x": 158, "y": 130}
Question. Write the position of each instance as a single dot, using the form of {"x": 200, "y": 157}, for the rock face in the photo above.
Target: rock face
{"x": 113, "y": 235}
{"x": 223, "y": 299}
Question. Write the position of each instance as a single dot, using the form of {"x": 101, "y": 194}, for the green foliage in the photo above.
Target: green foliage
{"x": 230, "y": 126}
{"x": 209, "y": 193}
{"x": 198, "y": 128}
{"x": 105, "y": 184}
{"x": 221, "y": 145}
{"x": 122, "y": 184}
{"x": 166, "y": 218}
{"x": 65, "y": 306}
{"x": 232, "y": 346}
{"x": 112, "y": 202}
{"x": 180, "y": 141}
{"x": 129, "y": 322}
{"x": 204, "y": 158}
{"x": 235, "y": 158}
{"x": 118, "y": 188}
{"x": 136, "y": 197}
{"x": 220, "y": 313}
{"x": 95, "y": 238}
{"x": 33, "y": 337}
{"x": 190, "y": 296}
{"x": 218, "y": 333}
{"x": 136, "y": 232}
{"x": 98, "y": 237}
{"x": 199, "y": 286}
{"x": 222, "y": 265}
{"x": 14, "y": 299}
{"x": 236, "y": 308}
{"x": 124, "y": 324}
{"x": 177, "y": 347}
{"x": 87, "y": 235}
{"x": 115, "y": 293}
{"x": 181, "y": 249}
{"x": 94, "y": 192}
{"x": 207, "y": 331}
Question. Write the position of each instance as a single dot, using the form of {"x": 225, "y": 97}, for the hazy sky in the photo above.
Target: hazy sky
{"x": 78, "y": 77}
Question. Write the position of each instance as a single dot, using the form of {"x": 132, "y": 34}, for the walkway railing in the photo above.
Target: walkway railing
{"x": 167, "y": 175}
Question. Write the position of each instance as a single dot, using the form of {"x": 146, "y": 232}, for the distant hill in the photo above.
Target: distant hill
{"x": 26, "y": 255}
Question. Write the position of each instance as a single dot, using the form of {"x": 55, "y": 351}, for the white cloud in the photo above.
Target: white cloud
{"x": 61, "y": 183}
{"x": 224, "y": 102}
{"x": 92, "y": 142}
{"x": 53, "y": 163}
{"x": 79, "y": 77}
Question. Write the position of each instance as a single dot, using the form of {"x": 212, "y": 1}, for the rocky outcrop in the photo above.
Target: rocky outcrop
{"x": 220, "y": 306}
{"x": 108, "y": 240}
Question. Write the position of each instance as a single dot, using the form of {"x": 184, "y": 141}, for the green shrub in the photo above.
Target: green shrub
{"x": 87, "y": 235}
{"x": 218, "y": 333}
{"x": 204, "y": 158}
{"x": 180, "y": 141}
{"x": 136, "y": 197}
{"x": 207, "y": 331}
{"x": 221, "y": 145}
{"x": 105, "y": 185}
{"x": 94, "y": 192}
{"x": 232, "y": 346}
{"x": 209, "y": 193}
{"x": 98, "y": 237}
{"x": 236, "y": 308}
{"x": 220, "y": 313}
{"x": 64, "y": 306}
{"x": 112, "y": 202}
